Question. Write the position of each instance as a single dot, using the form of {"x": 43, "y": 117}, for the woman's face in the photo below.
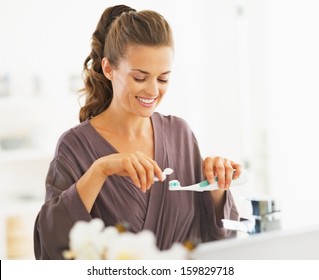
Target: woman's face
{"x": 141, "y": 79}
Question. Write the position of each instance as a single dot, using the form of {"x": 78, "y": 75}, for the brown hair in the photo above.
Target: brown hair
{"x": 119, "y": 26}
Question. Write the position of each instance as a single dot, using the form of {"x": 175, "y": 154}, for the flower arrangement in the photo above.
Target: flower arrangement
{"x": 93, "y": 241}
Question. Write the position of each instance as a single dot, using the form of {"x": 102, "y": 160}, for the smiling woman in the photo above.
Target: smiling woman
{"x": 106, "y": 167}
{"x": 140, "y": 80}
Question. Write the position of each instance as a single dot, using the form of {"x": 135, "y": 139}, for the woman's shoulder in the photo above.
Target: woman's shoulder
{"x": 171, "y": 121}
{"x": 75, "y": 132}
{"x": 173, "y": 127}
{"x": 74, "y": 138}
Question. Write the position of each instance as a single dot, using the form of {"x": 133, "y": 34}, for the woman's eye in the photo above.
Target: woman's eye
{"x": 140, "y": 80}
{"x": 162, "y": 81}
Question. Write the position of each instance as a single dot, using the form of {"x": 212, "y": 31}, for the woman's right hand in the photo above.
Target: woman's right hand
{"x": 139, "y": 167}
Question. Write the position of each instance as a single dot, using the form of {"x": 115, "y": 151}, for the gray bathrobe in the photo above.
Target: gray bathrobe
{"x": 173, "y": 216}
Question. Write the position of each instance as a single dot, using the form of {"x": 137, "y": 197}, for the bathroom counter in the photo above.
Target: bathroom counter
{"x": 292, "y": 244}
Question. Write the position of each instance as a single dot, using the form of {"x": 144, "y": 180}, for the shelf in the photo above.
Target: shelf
{"x": 24, "y": 155}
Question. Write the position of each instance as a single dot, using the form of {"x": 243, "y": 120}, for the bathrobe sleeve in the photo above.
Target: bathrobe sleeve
{"x": 62, "y": 207}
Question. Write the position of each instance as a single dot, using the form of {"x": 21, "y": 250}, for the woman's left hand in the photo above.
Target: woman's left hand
{"x": 224, "y": 169}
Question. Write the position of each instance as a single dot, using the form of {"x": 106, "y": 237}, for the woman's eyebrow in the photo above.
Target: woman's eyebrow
{"x": 147, "y": 73}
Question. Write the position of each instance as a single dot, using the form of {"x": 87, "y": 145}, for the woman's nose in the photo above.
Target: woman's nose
{"x": 152, "y": 88}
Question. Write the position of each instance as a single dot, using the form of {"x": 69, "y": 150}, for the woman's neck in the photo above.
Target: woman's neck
{"x": 122, "y": 124}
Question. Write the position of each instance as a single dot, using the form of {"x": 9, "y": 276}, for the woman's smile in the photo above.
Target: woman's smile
{"x": 146, "y": 102}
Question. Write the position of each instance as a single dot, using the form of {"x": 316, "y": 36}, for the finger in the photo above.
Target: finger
{"x": 220, "y": 171}
{"x": 149, "y": 168}
{"x": 237, "y": 167}
{"x": 141, "y": 173}
{"x": 158, "y": 171}
{"x": 228, "y": 173}
{"x": 130, "y": 169}
{"x": 208, "y": 168}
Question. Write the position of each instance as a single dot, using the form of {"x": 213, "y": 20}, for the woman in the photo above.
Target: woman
{"x": 105, "y": 167}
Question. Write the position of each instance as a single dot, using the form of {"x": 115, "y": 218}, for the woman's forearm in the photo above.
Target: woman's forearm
{"x": 90, "y": 184}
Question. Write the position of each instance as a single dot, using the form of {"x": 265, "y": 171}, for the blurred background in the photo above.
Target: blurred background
{"x": 245, "y": 78}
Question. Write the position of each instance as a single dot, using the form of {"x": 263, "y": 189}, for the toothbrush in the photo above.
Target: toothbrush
{"x": 166, "y": 172}
{"x": 174, "y": 185}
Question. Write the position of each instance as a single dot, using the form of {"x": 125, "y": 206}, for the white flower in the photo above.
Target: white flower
{"x": 133, "y": 246}
{"x": 86, "y": 240}
{"x": 176, "y": 252}
{"x": 91, "y": 241}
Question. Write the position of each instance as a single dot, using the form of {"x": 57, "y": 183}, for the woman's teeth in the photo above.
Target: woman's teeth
{"x": 146, "y": 101}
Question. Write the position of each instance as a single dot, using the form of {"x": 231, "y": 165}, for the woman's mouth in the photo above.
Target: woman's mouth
{"x": 147, "y": 102}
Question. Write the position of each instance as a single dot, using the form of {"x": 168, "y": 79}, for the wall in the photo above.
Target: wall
{"x": 292, "y": 70}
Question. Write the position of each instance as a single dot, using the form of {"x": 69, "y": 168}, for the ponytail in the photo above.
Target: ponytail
{"x": 97, "y": 87}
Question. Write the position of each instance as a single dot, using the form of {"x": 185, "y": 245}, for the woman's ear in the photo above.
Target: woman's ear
{"x": 107, "y": 68}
